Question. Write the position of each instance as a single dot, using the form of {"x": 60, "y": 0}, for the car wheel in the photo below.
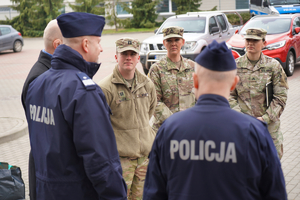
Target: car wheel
{"x": 17, "y": 46}
{"x": 290, "y": 64}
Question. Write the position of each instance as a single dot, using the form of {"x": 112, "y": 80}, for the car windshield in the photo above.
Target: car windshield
{"x": 190, "y": 25}
{"x": 284, "y": 2}
{"x": 271, "y": 25}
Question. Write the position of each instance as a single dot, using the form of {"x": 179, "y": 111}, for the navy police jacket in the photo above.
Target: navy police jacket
{"x": 71, "y": 137}
{"x": 212, "y": 152}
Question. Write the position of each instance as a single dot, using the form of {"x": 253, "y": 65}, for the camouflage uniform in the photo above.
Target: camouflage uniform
{"x": 173, "y": 87}
{"x": 132, "y": 105}
{"x": 249, "y": 95}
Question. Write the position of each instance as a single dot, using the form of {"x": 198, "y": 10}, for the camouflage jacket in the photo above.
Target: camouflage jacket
{"x": 173, "y": 88}
{"x": 131, "y": 112}
{"x": 249, "y": 95}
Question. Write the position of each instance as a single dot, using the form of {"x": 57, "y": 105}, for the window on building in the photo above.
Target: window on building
{"x": 174, "y": 7}
{"x": 163, "y": 6}
{"x": 5, "y": 8}
{"x": 120, "y": 10}
{"x": 241, "y": 4}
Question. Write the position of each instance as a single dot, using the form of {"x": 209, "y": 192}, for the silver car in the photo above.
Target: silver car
{"x": 10, "y": 39}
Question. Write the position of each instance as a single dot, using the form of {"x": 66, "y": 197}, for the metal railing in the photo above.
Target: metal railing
{"x": 155, "y": 53}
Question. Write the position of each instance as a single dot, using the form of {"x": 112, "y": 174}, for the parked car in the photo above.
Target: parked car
{"x": 283, "y": 38}
{"x": 200, "y": 29}
{"x": 10, "y": 39}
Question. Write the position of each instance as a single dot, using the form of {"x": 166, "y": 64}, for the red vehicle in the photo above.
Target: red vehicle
{"x": 283, "y": 39}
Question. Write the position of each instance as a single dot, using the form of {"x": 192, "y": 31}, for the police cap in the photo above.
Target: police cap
{"x": 75, "y": 24}
{"x": 216, "y": 57}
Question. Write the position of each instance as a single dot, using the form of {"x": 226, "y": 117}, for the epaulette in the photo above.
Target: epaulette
{"x": 88, "y": 83}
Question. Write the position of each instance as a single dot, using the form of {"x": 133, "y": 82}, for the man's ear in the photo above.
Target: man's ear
{"x": 236, "y": 80}
{"x": 85, "y": 45}
{"x": 195, "y": 78}
{"x": 56, "y": 43}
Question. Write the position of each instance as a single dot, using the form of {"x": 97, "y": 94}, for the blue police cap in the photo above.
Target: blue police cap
{"x": 216, "y": 57}
{"x": 77, "y": 24}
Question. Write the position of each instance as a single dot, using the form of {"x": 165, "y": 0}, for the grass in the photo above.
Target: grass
{"x": 130, "y": 30}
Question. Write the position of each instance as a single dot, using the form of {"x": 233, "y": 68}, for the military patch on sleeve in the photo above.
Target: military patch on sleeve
{"x": 88, "y": 83}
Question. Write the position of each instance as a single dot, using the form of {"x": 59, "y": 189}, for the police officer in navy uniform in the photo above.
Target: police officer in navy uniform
{"x": 210, "y": 151}
{"x": 71, "y": 137}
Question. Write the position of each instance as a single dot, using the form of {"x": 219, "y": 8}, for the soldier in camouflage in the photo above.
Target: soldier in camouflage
{"x": 132, "y": 98}
{"x": 255, "y": 71}
{"x": 172, "y": 77}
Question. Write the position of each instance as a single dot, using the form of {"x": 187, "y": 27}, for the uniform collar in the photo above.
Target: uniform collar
{"x": 118, "y": 78}
{"x": 212, "y": 99}
{"x": 49, "y": 54}
{"x": 171, "y": 65}
{"x": 65, "y": 55}
{"x": 249, "y": 66}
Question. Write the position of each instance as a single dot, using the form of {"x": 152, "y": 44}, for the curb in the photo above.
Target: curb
{"x": 15, "y": 128}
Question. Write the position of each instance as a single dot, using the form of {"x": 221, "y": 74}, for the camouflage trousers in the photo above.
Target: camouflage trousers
{"x": 276, "y": 134}
{"x": 134, "y": 174}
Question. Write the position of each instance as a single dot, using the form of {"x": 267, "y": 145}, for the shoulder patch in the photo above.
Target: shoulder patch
{"x": 88, "y": 83}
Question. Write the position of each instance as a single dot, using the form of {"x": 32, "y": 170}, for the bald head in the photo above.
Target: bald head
{"x": 214, "y": 82}
{"x": 52, "y": 36}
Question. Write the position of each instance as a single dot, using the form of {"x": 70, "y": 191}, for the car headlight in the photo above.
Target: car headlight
{"x": 228, "y": 46}
{"x": 189, "y": 46}
{"x": 275, "y": 45}
{"x": 144, "y": 47}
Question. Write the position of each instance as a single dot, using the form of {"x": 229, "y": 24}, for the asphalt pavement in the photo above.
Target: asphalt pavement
{"x": 14, "y": 139}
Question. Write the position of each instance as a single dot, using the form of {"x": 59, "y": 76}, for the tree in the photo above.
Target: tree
{"x": 21, "y": 22}
{"x": 35, "y": 15}
{"x": 89, "y": 6}
{"x": 111, "y": 14}
{"x": 143, "y": 11}
{"x": 184, "y": 6}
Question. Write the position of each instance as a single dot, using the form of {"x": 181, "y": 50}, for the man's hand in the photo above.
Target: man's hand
{"x": 260, "y": 118}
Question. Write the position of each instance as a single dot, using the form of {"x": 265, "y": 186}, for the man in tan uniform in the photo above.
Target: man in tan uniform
{"x": 255, "y": 71}
{"x": 172, "y": 77}
{"x": 132, "y": 99}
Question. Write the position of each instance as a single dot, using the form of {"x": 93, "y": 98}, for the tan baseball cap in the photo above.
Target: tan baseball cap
{"x": 126, "y": 43}
{"x": 173, "y": 32}
{"x": 255, "y": 33}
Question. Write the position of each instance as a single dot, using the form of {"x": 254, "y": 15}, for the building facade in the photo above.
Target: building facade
{"x": 165, "y": 8}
